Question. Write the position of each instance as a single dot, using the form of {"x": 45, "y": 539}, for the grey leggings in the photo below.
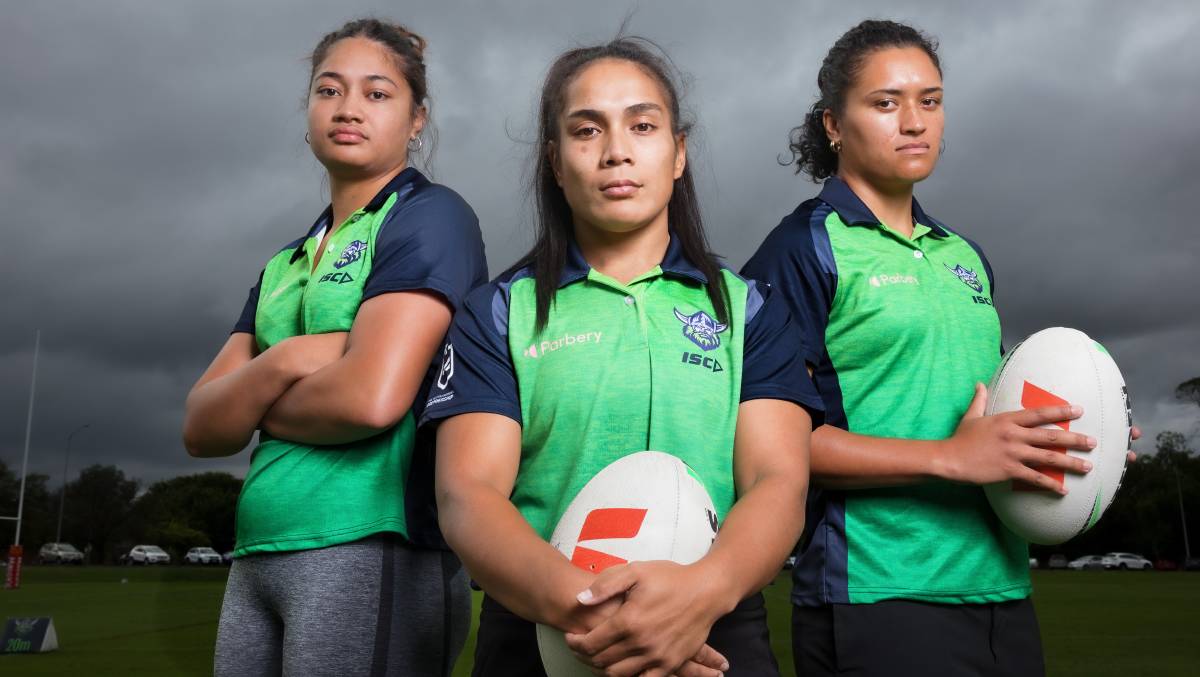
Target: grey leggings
{"x": 372, "y": 607}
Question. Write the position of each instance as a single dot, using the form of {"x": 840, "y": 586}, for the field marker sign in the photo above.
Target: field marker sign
{"x": 29, "y": 635}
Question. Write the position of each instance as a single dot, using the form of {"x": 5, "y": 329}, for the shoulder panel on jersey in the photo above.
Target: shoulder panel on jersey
{"x": 754, "y": 298}
{"x": 499, "y": 295}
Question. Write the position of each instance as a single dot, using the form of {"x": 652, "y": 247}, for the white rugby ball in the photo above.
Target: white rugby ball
{"x": 1053, "y": 367}
{"x": 644, "y": 506}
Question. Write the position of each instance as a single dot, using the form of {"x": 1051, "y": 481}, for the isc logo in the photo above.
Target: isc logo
{"x": 709, "y": 363}
{"x": 340, "y": 278}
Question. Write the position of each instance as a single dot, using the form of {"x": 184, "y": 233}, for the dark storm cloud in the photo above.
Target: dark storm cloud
{"x": 153, "y": 159}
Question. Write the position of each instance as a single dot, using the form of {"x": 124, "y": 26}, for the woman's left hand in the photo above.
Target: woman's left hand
{"x": 665, "y": 619}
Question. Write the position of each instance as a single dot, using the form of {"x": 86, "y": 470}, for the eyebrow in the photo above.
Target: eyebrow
{"x": 338, "y": 76}
{"x": 593, "y": 114}
{"x": 897, "y": 92}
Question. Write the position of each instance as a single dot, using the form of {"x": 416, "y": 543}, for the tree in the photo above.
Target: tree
{"x": 37, "y": 524}
{"x": 98, "y": 505}
{"x": 1189, "y": 391}
{"x": 189, "y": 511}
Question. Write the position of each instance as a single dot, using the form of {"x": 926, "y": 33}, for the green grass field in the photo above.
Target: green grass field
{"x": 162, "y": 621}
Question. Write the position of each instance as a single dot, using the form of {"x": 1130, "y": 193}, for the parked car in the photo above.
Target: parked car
{"x": 1057, "y": 562}
{"x": 202, "y": 556}
{"x": 1166, "y": 565}
{"x": 59, "y": 553}
{"x": 1126, "y": 560}
{"x": 1086, "y": 562}
{"x": 1191, "y": 564}
{"x": 146, "y": 555}
{"x": 1033, "y": 563}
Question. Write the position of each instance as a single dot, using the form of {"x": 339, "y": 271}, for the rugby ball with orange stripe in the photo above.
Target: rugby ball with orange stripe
{"x": 1053, "y": 367}
{"x": 644, "y": 506}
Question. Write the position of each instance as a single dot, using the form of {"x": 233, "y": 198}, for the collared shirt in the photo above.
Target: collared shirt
{"x": 620, "y": 368}
{"x": 903, "y": 328}
{"x": 413, "y": 235}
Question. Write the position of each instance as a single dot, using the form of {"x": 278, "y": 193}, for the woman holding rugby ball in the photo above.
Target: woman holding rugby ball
{"x": 621, "y": 260}
{"x": 339, "y": 568}
{"x": 904, "y": 568}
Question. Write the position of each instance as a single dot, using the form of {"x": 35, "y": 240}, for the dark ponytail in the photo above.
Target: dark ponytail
{"x": 554, "y": 223}
{"x": 808, "y": 142}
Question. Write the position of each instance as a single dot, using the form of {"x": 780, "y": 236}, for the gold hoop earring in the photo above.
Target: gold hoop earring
{"x": 420, "y": 144}
{"x": 835, "y": 146}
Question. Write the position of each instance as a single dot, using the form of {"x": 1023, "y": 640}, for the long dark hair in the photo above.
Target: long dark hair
{"x": 808, "y": 142}
{"x": 548, "y": 256}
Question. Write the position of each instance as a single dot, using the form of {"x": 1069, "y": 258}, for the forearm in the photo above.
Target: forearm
{"x": 509, "y": 560}
{"x": 846, "y": 460}
{"x": 343, "y": 402}
{"x": 222, "y": 415}
{"x": 758, "y": 534}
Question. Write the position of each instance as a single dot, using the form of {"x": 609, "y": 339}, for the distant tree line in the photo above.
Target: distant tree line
{"x": 106, "y": 513}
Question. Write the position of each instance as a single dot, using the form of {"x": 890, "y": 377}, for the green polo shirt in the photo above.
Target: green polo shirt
{"x": 620, "y": 368}
{"x": 414, "y": 235}
{"x": 903, "y": 328}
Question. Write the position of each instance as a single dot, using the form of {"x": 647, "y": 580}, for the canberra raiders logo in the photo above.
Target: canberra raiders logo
{"x": 350, "y": 254}
{"x": 701, "y": 328}
{"x": 968, "y": 276}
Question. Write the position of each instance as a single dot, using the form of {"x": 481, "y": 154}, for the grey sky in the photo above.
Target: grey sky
{"x": 153, "y": 158}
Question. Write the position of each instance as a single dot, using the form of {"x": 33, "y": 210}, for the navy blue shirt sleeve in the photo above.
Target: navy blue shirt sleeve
{"x": 476, "y": 371}
{"x": 772, "y": 368}
{"x": 796, "y": 261}
{"x": 430, "y": 241}
{"x": 245, "y": 323}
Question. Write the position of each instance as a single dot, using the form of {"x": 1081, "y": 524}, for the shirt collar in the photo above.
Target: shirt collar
{"x": 837, "y": 194}
{"x": 674, "y": 263}
{"x": 401, "y": 183}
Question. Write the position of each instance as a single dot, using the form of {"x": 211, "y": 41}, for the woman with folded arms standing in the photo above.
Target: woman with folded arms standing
{"x": 339, "y": 567}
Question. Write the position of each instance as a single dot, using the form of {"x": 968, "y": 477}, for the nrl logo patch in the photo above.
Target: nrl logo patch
{"x": 968, "y": 276}
{"x": 701, "y": 328}
{"x": 350, "y": 254}
{"x": 25, "y": 625}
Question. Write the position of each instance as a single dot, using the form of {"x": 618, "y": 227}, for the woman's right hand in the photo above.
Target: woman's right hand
{"x": 987, "y": 449}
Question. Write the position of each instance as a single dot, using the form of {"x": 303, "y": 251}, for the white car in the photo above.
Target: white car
{"x": 1086, "y": 562}
{"x": 59, "y": 553}
{"x": 1126, "y": 560}
{"x": 202, "y": 556}
{"x": 147, "y": 554}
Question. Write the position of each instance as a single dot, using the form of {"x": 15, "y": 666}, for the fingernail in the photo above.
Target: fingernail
{"x": 1091, "y": 441}
{"x": 1076, "y": 409}
{"x": 725, "y": 666}
{"x": 1087, "y": 467}
{"x": 585, "y": 596}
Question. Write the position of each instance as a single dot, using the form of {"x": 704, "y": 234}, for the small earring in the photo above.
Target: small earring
{"x": 418, "y": 147}
{"x": 306, "y": 138}
{"x": 942, "y": 148}
{"x": 835, "y": 146}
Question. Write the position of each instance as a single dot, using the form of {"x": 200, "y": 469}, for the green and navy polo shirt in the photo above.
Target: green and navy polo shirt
{"x": 413, "y": 235}
{"x": 620, "y": 368}
{"x": 903, "y": 329}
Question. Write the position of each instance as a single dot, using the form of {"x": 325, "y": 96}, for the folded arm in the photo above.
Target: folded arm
{"x": 373, "y": 385}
